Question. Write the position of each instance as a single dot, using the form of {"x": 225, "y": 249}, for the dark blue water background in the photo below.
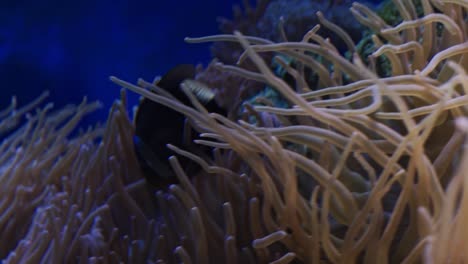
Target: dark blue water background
{"x": 71, "y": 47}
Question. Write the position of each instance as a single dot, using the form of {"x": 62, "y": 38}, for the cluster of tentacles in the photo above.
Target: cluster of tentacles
{"x": 358, "y": 168}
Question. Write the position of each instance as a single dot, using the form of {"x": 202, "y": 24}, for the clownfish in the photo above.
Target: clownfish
{"x": 157, "y": 125}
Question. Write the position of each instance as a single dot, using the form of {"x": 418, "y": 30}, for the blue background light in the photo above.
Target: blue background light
{"x": 71, "y": 47}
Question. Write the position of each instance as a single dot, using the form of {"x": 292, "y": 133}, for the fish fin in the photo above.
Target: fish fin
{"x": 150, "y": 160}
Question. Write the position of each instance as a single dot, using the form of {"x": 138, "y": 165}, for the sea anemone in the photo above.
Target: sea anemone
{"x": 68, "y": 198}
{"x": 358, "y": 168}
{"x": 376, "y": 152}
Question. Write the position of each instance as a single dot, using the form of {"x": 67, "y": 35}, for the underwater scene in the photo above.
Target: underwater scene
{"x": 266, "y": 131}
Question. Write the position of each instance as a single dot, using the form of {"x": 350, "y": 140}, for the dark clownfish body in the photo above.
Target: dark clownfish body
{"x": 157, "y": 125}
